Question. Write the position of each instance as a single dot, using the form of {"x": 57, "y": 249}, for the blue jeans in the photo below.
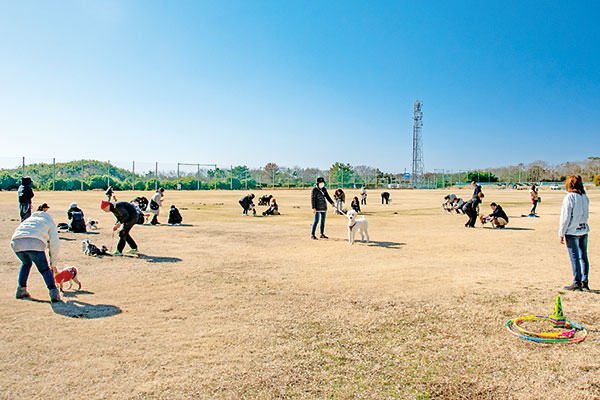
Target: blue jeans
{"x": 339, "y": 204}
{"x": 577, "y": 246}
{"x": 39, "y": 258}
{"x": 534, "y": 206}
{"x": 322, "y": 216}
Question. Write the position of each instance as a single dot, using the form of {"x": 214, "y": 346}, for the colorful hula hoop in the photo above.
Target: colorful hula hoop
{"x": 548, "y": 337}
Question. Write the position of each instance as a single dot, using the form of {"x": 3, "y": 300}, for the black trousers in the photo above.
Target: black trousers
{"x": 472, "y": 214}
{"x": 24, "y": 211}
{"x": 125, "y": 237}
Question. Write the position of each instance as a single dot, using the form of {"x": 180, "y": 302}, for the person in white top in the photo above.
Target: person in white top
{"x": 573, "y": 231}
{"x": 155, "y": 204}
{"x": 363, "y": 195}
{"x": 29, "y": 242}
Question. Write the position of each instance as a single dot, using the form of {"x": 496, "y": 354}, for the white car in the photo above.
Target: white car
{"x": 554, "y": 187}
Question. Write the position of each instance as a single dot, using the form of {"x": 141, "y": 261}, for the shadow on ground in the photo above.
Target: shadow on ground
{"x": 157, "y": 259}
{"x": 79, "y": 309}
{"x": 75, "y": 293}
{"x": 387, "y": 245}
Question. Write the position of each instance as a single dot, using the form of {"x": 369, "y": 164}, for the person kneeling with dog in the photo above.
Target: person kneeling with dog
{"x": 247, "y": 204}
{"x": 273, "y": 208}
{"x": 498, "y": 217}
{"x": 29, "y": 242}
{"x": 127, "y": 216}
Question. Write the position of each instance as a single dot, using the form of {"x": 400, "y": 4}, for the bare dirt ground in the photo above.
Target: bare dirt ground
{"x": 239, "y": 307}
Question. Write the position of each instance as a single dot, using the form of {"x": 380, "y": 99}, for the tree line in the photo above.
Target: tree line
{"x": 93, "y": 174}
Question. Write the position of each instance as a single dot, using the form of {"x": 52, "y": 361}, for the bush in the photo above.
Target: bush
{"x": 8, "y": 182}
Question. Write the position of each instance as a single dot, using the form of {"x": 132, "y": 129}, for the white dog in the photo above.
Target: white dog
{"x": 355, "y": 225}
{"x": 91, "y": 224}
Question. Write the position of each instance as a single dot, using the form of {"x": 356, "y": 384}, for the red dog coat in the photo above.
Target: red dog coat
{"x": 65, "y": 275}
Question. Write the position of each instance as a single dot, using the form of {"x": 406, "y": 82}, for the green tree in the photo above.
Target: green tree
{"x": 341, "y": 174}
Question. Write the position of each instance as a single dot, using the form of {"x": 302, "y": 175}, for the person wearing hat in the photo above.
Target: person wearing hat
{"x": 29, "y": 242}
{"x": 76, "y": 219}
{"x": 25, "y": 195}
{"x": 319, "y": 198}
{"x": 127, "y": 217}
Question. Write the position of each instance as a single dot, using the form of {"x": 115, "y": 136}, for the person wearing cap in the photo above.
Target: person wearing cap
{"x": 127, "y": 217}
{"x": 471, "y": 208}
{"x": 25, "y": 195}
{"x": 319, "y": 198}
{"x": 30, "y": 241}
{"x": 76, "y": 219}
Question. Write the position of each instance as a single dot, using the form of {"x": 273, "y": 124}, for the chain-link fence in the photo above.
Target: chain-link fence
{"x": 62, "y": 174}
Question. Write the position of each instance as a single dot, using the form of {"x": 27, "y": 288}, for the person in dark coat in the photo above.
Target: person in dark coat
{"x": 385, "y": 197}
{"x": 471, "y": 208}
{"x": 273, "y": 208}
{"x": 127, "y": 217}
{"x": 355, "y": 204}
{"x": 319, "y": 198}
{"x": 247, "y": 204}
{"x": 76, "y": 219}
{"x": 25, "y": 195}
{"x": 174, "y": 216}
{"x": 498, "y": 217}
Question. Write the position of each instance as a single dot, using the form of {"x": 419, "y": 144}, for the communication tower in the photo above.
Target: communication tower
{"x": 416, "y": 178}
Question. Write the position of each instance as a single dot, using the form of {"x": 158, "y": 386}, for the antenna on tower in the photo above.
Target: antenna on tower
{"x": 417, "y": 156}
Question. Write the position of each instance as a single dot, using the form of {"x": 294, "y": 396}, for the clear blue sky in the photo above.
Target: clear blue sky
{"x": 301, "y": 82}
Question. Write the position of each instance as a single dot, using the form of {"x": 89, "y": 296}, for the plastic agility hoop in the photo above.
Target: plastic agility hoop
{"x": 547, "y": 337}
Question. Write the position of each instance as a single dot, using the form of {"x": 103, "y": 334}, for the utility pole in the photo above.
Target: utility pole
{"x": 53, "y": 174}
{"x": 417, "y": 156}
{"x": 133, "y": 175}
{"x": 156, "y": 175}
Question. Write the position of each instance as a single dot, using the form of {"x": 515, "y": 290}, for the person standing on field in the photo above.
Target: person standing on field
{"x": 127, "y": 217}
{"x": 535, "y": 198}
{"x": 25, "y": 195}
{"x": 363, "y": 195}
{"x": 573, "y": 231}
{"x": 319, "y": 198}
{"x": 155, "y": 204}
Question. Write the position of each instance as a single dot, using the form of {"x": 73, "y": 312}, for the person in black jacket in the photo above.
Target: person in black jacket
{"x": 355, "y": 204}
{"x": 76, "y": 219}
{"x": 498, "y": 217}
{"x": 127, "y": 217}
{"x": 319, "y": 198}
{"x": 174, "y": 216}
{"x": 471, "y": 209}
{"x": 247, "y": 204}
{"x": 25, "y": 195}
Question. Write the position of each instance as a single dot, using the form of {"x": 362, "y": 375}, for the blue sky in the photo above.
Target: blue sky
{"x": 302, "y": 83}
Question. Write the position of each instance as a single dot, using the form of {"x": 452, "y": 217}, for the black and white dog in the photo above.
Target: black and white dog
{"x": 90, "y": 249}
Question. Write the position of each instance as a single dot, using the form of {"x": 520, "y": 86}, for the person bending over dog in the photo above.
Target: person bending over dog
{"x": 471, "y": 209}
{"x": 498, "y": 217}
{"x": 127, "y": 217}
{"x": 247, "y": 204}
{"x": 76, "y": 219}
{"x": 448, "y": 204}
{"x": 29, "y": 242}
{"x": 385, "y": 196}
{"x": 340, "y": 198}
{"x": 319, "y": 198}
{"x": 457, "y": 205}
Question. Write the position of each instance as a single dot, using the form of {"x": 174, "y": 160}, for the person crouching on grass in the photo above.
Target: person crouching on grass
{"x": 127, "y": 217}
{"x": 574, "y": 230}
{"x": 498, "y": 217}
{"x": 319, "y": 198}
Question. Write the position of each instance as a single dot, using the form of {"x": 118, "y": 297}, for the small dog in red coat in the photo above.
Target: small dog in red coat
{"x": 69, "y": 275}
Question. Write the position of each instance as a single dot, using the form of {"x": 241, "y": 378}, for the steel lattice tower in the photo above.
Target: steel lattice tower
{"x": 417, "y": 155}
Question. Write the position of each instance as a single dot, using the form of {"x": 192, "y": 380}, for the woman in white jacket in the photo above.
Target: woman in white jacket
{"x": 574, "y": 231}
{"x": 29, "y": 242}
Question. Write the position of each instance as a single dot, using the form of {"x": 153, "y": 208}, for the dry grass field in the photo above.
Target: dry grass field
{"x": 233, "y": 307}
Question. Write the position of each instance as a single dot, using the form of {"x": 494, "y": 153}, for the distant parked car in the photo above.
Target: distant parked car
{"x": 554, "y": 187}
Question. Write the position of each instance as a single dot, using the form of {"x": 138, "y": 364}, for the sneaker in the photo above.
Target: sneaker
{"x": 585, "y": 287}
{"x": 132, "y": 251}
{"x": 313, "y": 237}
{"x": 22, "y": 293}
{"x": 574, "y": 286}
{"x": 117, "y": 253}
{"x": 245, "y": 215}
{"x": 55, "y": 296}
{"x": 323, "y": 236}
